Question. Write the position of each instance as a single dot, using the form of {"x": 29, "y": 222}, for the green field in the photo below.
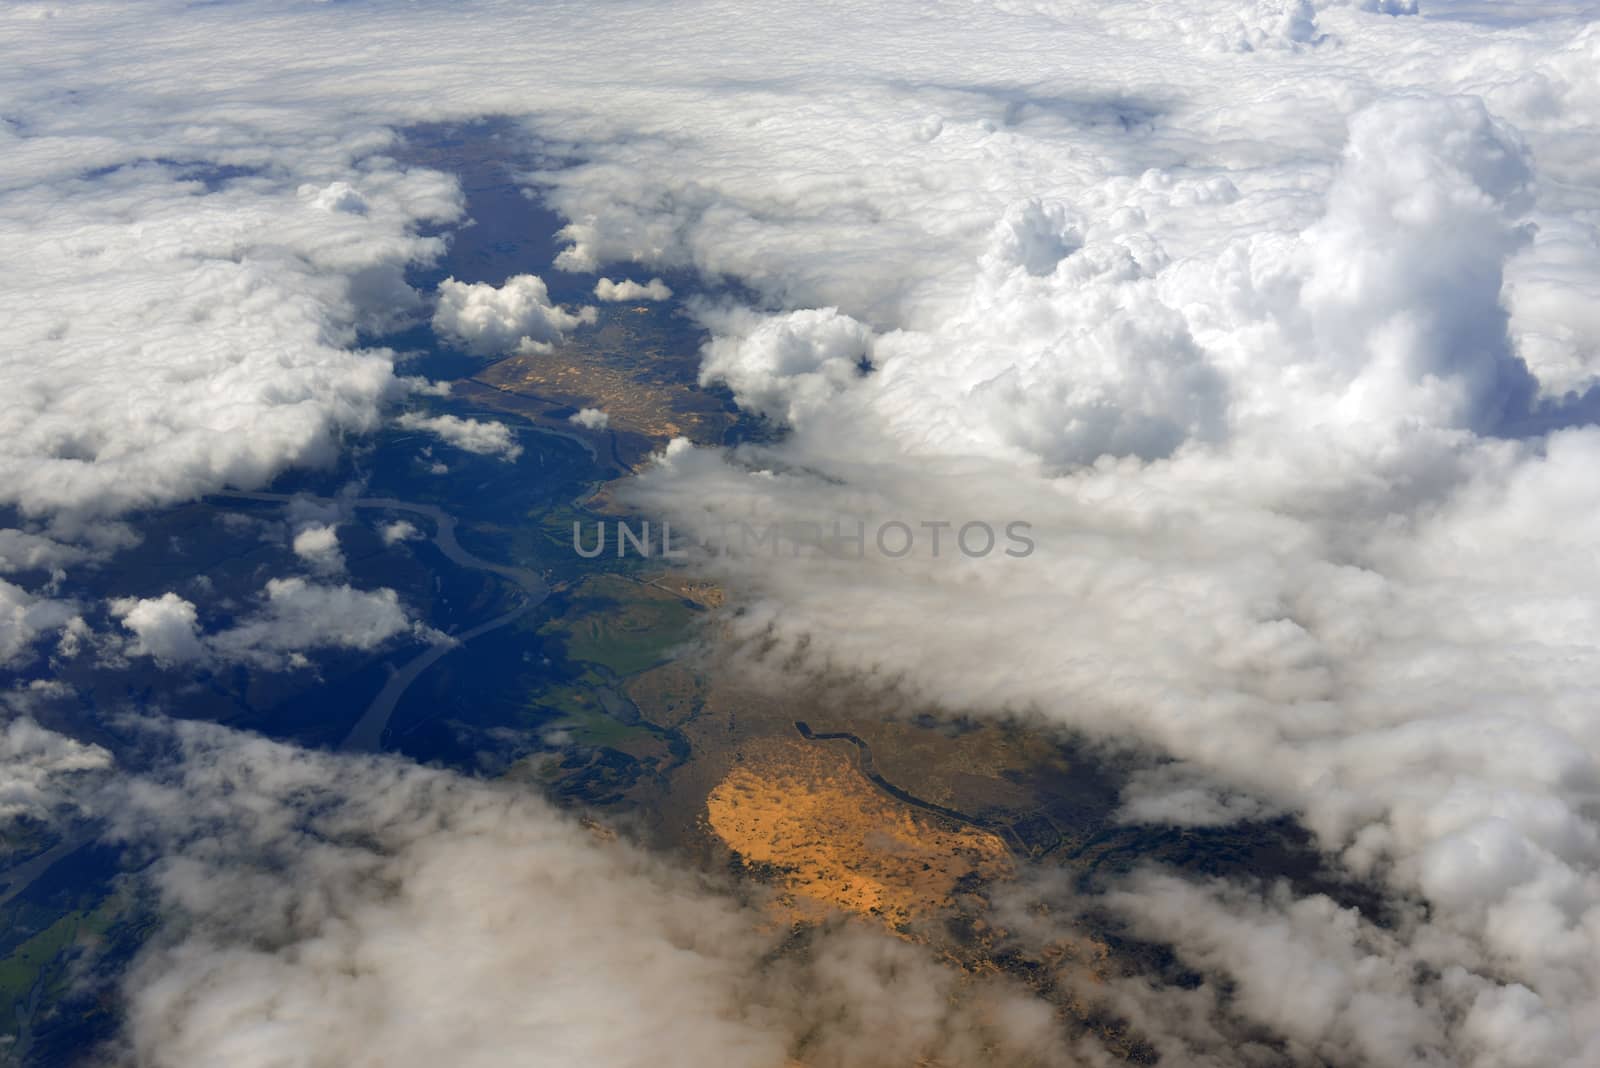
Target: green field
{"x": 622, "y": 625}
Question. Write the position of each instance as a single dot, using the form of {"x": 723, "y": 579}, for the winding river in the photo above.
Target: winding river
{"x": 869, "y": 769}
{"x": 367, "y": 734}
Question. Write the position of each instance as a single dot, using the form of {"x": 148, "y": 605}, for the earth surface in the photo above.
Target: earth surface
{"x": 600, "y": 682}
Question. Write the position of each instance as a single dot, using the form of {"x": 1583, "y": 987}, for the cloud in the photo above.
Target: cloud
{"x": 488, "y": 320}
{"x": 337, "y": 196}
{"x": 628, "y": 289}
{"x": 1171, "y": 796}
{"x": 425, "y": 388}
{"x": 42, "y": 771}
{"x": 398, "y": 531}
{"x": 296, "y": 616}
{"x": 1290, "y": 24}
{"x": 24, "y": 551}
{"x": 485, "y": 437}
{"x": 24, "y": 618}
{"x": 1294, "y": 396}
{"x": 318, "y": 545}
{"x": 212, "y": 390}
{"x": 1325, "y": 664}
{"x": 299, "y": 615}
{"x": 1407, "y": 264}
{"x": 590, "y": 419}
{"x": 1340, "y": 988}
{"x": 1269, "y": 492}
{"x": 329, "y": 906}
{"x": 786, "y": 366}
{"x": 165, "y": 628}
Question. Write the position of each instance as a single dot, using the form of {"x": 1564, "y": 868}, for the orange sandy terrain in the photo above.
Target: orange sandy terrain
{"x": 806, "y": 810}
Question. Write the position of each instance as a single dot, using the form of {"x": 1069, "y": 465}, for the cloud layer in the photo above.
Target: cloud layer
{"x": 1275, "y": 319}
{"x": 355, "y": 910}
{"x": 42, "y": 771}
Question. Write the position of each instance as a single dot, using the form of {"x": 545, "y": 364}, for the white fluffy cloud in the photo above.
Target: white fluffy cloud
{"x": 628, "y": 289}
{"x": 786, "y": 366}
{"x": 318, "y": 545}
{"x": 1407, "y": 266}
{"x": 296, "y": 616}
{"x": 230, "y": 317}
{"x": 489, "y": 320}
{"x": 301, "y": 615}
{"x": 1337, "y": 987}
{"x": 165, "y": 628}
{"x": 484, "y": 437}
{"x": 590, "y": 419}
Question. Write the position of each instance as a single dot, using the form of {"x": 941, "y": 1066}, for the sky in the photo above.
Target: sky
{"x": 1275, "y": 320}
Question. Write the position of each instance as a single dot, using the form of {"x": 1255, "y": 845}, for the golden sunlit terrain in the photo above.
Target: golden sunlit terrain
{"x": 805, "y": 811}
{"x": 622, "y": 367}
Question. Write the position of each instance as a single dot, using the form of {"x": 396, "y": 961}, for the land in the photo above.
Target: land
{"x": 635, "y": 364}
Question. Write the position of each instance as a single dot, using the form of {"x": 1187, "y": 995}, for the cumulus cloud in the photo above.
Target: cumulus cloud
{"x": 295, "y": 617}
{"x": 313, "y": 893}
{"x": 1339, "y": 988}
{"x": 341, "y": 197}
{"x": 488, "y": 320}
{"x": 628, "y": 289}
{"x": 786, "y": 366}
{"x": 590, "y": 419}
{"x": 318, "y": 545}
{"x": 300, "y": 615}
{"x": 1407, "y": 265}
{"x": 165, "y": 628}
{"x": 484, "y": 437}
{"x": 1290, "y": 24}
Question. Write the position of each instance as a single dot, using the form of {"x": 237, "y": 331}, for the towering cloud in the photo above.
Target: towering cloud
{"x": 1407, "y": 266}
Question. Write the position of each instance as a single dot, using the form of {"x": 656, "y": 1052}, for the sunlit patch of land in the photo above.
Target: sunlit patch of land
{"x": 624, "y": 625}
{"x": 806, "y": 814}
{"x": 642, "y": 376}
